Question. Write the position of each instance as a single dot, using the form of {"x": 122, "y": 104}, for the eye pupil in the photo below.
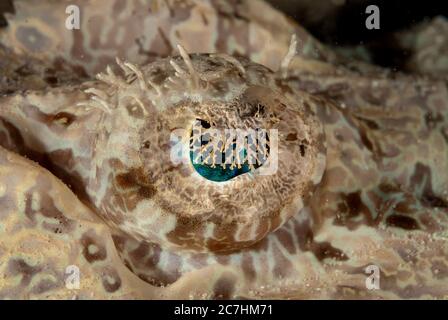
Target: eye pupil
{"x": 205, "y": 124}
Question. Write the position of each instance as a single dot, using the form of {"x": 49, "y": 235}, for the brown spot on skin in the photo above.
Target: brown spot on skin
{"x": 63, "y": 118}
{"x": 7, "y": 202}
{"x": 349, "y": 210}
{"x": 434, "y": 201}
{"x": 321, "y": 250}
{"x": 262, "y": 245}
{"x": 286, "y": 240}
{"x": 304, "y": 235}
{"x": 140, "y": 252}
{"x": 439, "y": 270}
{"x": 432, "y": 120}
{"x": 24, "y": 71}
{"x": 302, "y": 149}
{"x": 325, "y": 250}
{"x": 184, "y": 232}
{"x": 247, "y": 265}
{"x": 144, "y": 262}
{"x": 135, "y": 111}
{"x": 20, "y": 266}
{"x": 126, "y": 180}
{"x": 158, "y": 279}
{"x": 228, "y": 244}
{"x": 51, "y": 80}
{"x": 370, "y": 123}
{"x": 188, "y": 233}
{"x": 403, "y": 207}
{"x": 156, "y": 276}
{"x": 146, "y": 192}
{"x": 54, "y": 162}
{"x": 32, "y": 39}
{"x": 46, "y": 285}
{"x": 335, "y": 91}
{"x": 80, "y": 72}
{"x": 407, "y": 254}
{"x": 291, "y": 137}
{"x": 57, "y": 122}
{"x": 73, "y": 180}
{"x": 365, "y": 140}
{"x": 403, "y": 222}
{"x": 158, "y": 76}
{"x": 92, "y": 250}
{"x": 46, "y": 207}
{"x": 118, "y": 7}
{"x": 146, "y": 144}
{"x": 59, "y": 163}
{"x": 233, "y": 14}
{"x": 111, "y": 280}
{"x": 389, "y": 188}
{"x": 63, "y": 158}
{"x": 422, "y": 180}
{"x": 119, "y": 242}
{"x": 136, "y": 178}
{"x": 224, "y": 287}
{"x": 326, "y": 113}
{"x": 77, "y": 51}
{"x": 59, "y": 64}
{"x": 283, "y": 267}
{"x": 15, "y": 142}
{"x": 430, "y": 224}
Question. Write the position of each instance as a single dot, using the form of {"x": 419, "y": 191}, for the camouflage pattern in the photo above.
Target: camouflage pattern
{"x": 382, "y": 199}
{"x": 142, "y": 31}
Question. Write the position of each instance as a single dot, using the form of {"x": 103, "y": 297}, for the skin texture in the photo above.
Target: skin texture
{"x": 362, "y": 161}
{"x": 417, "y": 43}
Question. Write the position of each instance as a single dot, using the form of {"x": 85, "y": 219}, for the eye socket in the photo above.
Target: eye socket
{"x": 222, "y": 156}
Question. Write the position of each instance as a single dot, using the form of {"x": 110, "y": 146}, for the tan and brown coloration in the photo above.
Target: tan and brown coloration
{"x": 123, "y": 161}
{"x": 382, "y": 200}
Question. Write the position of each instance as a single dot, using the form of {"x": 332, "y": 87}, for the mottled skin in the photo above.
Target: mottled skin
{"x": 419, "y": 45}
{"x": 146, "y": 30}
{"x": 382, "y": 200}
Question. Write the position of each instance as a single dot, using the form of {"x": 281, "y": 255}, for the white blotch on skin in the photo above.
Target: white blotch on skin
{"x": 92, "y": 249}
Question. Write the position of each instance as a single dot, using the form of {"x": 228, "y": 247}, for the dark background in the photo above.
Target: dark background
{"x": 341, "y": 22}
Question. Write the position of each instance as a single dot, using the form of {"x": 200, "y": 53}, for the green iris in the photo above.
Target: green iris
{"x": 219, "y": 173}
